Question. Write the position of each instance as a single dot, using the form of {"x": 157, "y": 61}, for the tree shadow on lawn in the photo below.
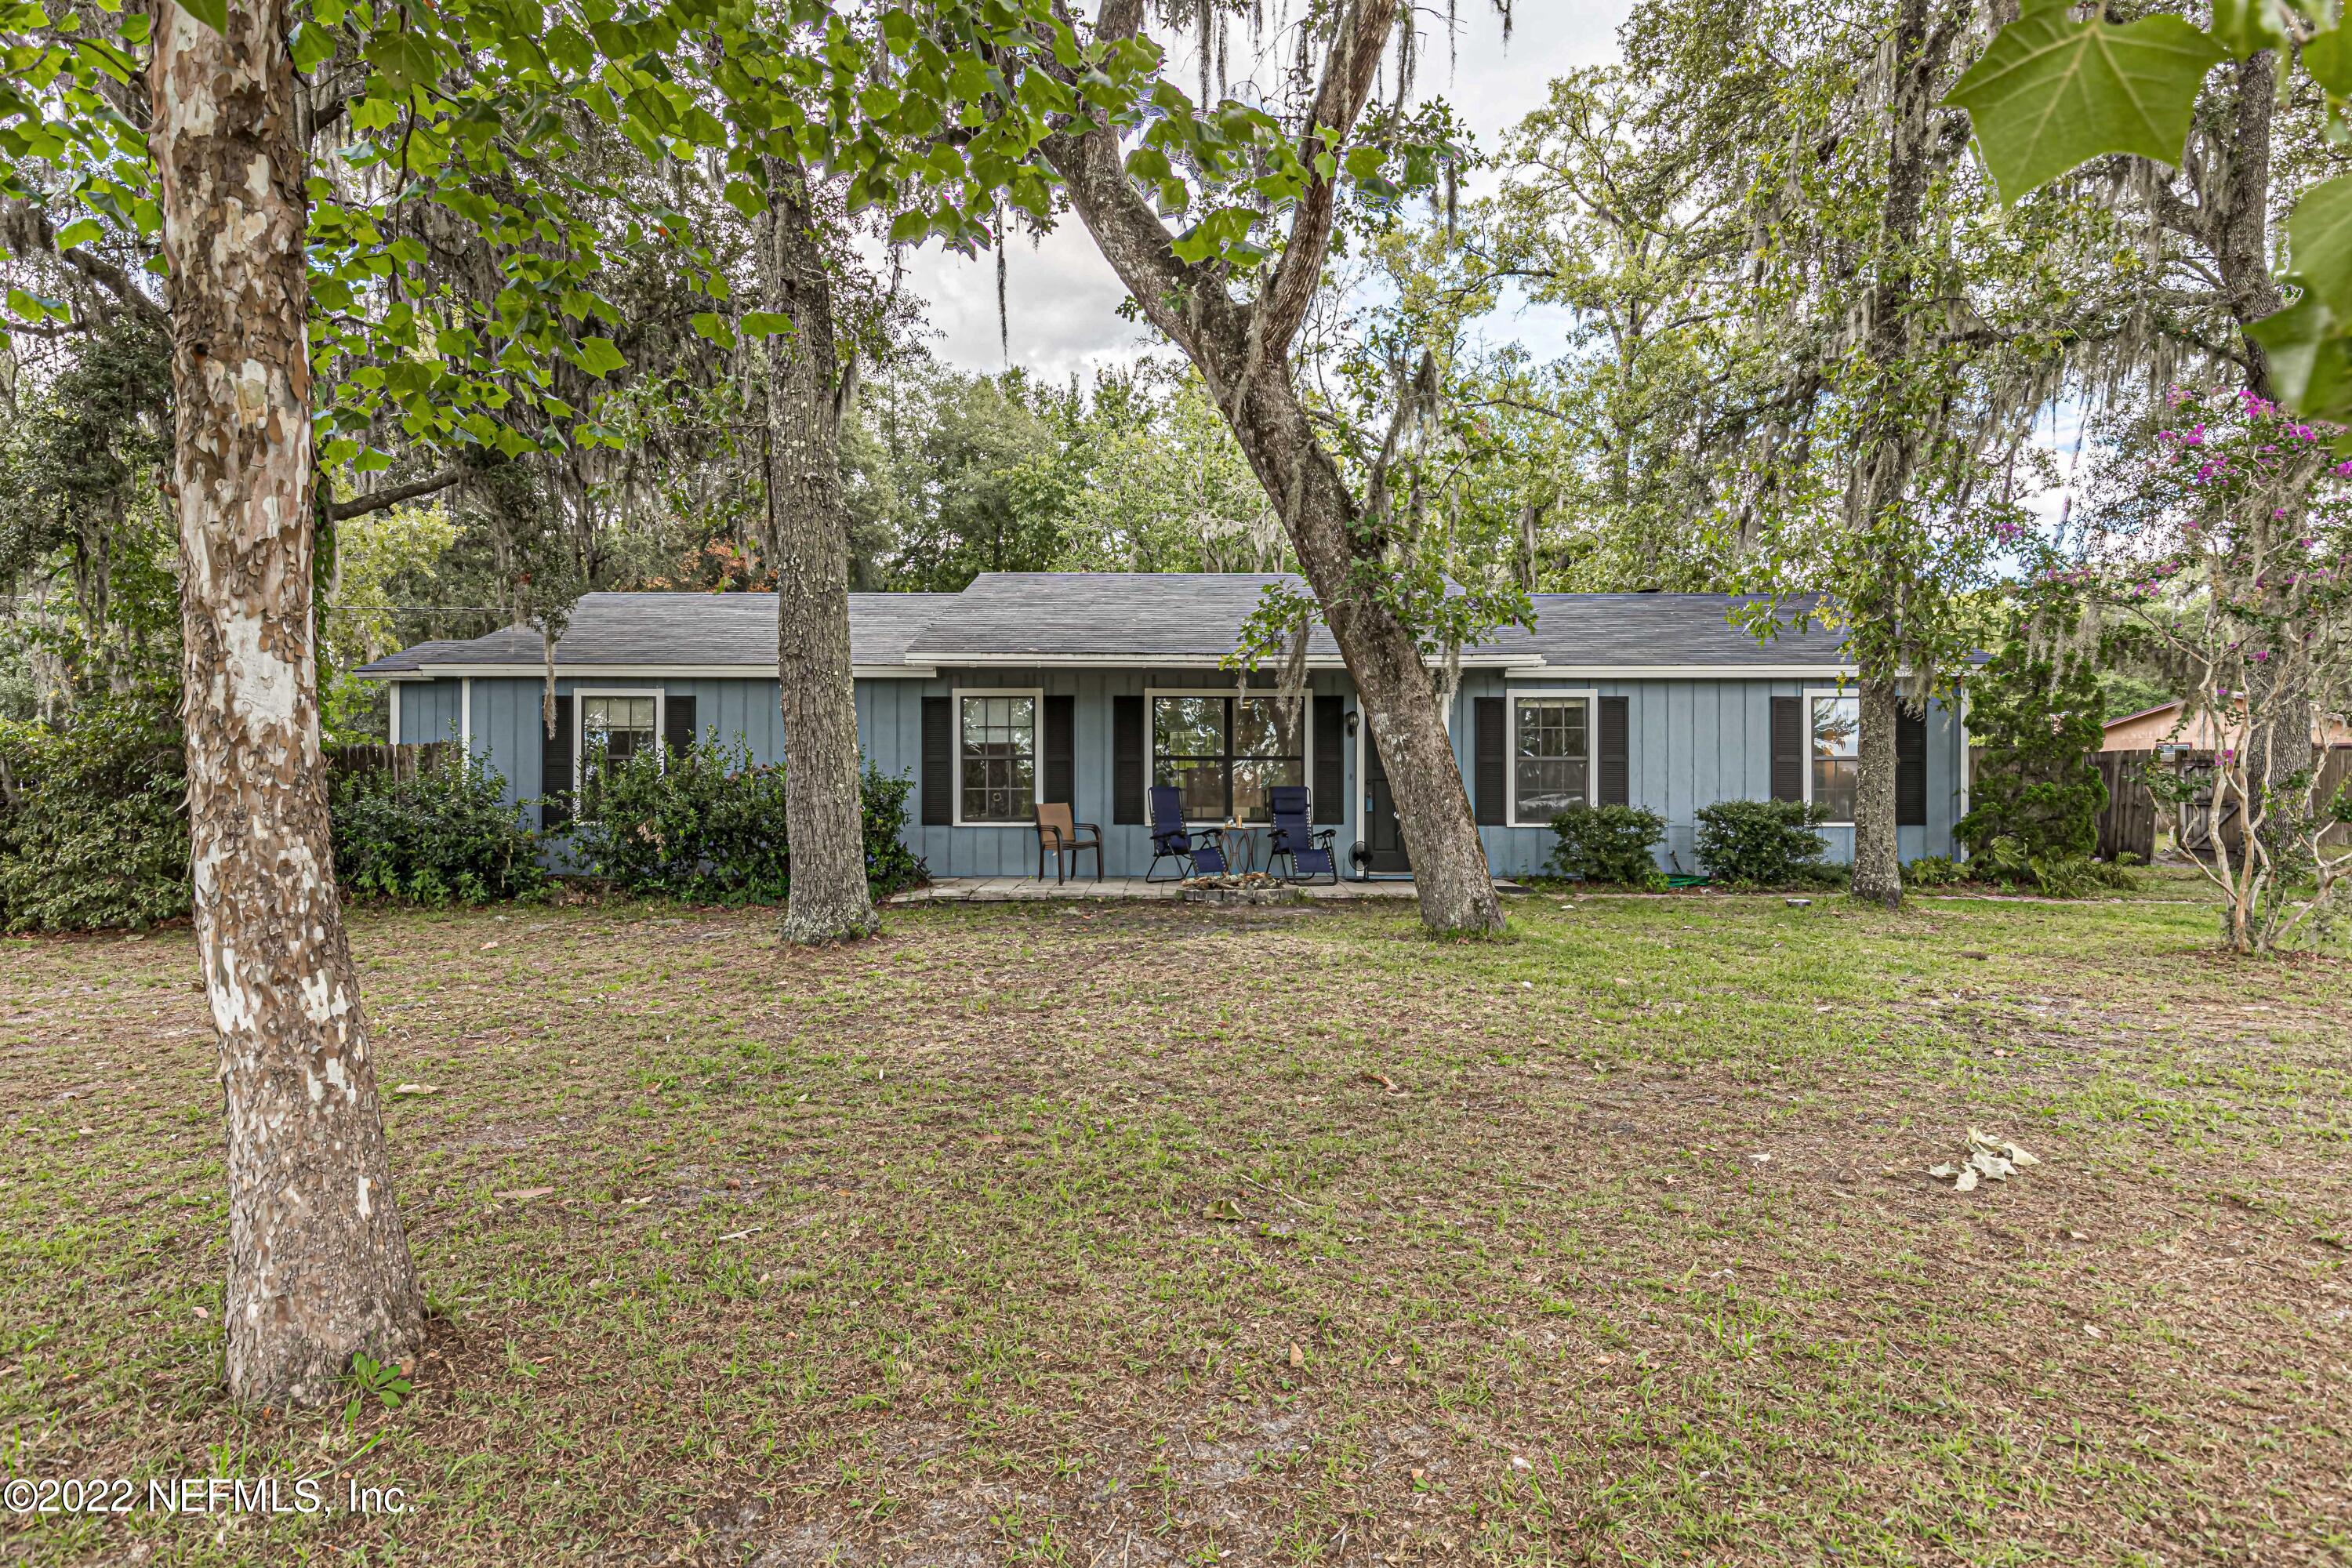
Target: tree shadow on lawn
{"x": 1144, "y": 1235}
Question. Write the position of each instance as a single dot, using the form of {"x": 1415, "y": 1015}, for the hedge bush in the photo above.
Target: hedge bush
{"x": 438, "y": 836}
{"x": 1608, "y": 844}
{"x": 1762, "y": 843}
{"x": 708, "y": 825}
{"x": 93, "y": 822}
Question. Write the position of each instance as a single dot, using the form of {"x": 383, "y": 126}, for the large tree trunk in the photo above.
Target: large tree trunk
{"x": 1877, "y": 860}
{"x": 1243, "y": 351}
{"x": 1452, "y": 881}
{"x": 317, "y": 1267}
{"x": 823, "y": 819}
{"x": 2241, "y": 229}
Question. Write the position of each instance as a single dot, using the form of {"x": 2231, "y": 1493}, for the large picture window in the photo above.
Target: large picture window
{"x": 1836, "y": 755}
{"x": 996, "y": 761}
{"x": 1551, "y": 757}
{"x": 1224, "y": 754}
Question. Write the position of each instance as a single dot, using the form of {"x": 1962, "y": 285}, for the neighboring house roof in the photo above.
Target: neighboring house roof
{"x": 1109, "y": 618}
{"x": 2163, "y": 726}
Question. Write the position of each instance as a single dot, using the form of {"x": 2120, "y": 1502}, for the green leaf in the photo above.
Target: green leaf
{"x": 2311, "y": 359}
{"x": 310, "y": 46}
{"x": 81, "y": 231}
{"x": 2328, "y": 59}
{"x": 2319, "y": 243}
{"x": 2247, "y": 27}
{"x": 136, "y": 28}
{"x": 766, "y": 324}
{"x": 598, "y": 357}
{"x": 2050, "y": 93}
{"x": 909, "y": 226}
{"x": 213, "y": 14}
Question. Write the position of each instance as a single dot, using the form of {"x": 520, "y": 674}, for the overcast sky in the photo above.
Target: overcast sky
{"x": 1061, "y": 300}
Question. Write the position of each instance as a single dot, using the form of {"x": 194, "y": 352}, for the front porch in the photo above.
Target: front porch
{"x": 1018, "y": 889}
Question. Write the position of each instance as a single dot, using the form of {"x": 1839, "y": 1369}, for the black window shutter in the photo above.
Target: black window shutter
{"x": 1062, "y": 750}
{"x": 1331, "y": 760}
{"x": 1788, "y": 748}
{"x": 555, "y": 767}
{"x": 1910, "y": 770}
{"x": 1492, "y": 748}
{"x": 1127, "y": 759}
{"x": 1616, "y": 752}
{"x": 678, "y": 732}
{"x": 939, "y": 765}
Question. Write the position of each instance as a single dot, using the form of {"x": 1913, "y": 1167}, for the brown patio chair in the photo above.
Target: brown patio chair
{"x": 1066, "y": 841}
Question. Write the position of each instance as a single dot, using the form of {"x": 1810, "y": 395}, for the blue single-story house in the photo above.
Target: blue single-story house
{"x": 1087, "y": 686}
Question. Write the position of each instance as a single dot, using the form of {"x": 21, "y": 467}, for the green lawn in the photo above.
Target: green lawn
{"x": 1133, "y": 1234}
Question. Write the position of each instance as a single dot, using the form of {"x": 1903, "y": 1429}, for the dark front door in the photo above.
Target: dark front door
{"x": 1383, "y": 839}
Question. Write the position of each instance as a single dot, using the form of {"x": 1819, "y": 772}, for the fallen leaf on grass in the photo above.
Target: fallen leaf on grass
{"x": 416, "y": 1090}
{"x": 1225, "y": 1209}
{"x": 1996, "y": 1158}
{"x": 1383, "y": 1079}
{"x": 1298, "y": 1356}
{"x": 523, "y": 1195}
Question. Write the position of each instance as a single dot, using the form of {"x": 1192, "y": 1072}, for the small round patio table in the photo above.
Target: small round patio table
{"x": 1247, "y": 845}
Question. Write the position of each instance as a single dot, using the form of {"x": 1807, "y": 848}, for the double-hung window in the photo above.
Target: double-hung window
{"x": 613, "y": 727}
{"x": 1226, "y": 754}
{"x": 1551, "y": 757}
{"x": 1835, "y": 760}
{"x": 996, "y": 758}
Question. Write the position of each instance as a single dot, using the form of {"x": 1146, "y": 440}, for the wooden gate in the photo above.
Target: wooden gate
{"x": 2127, "y": 822}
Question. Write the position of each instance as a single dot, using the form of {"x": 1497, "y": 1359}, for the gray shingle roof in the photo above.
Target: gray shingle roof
{"x": 1102, "y": 615}
{"x": 1665, "y": 629}
{"x": 720, "y": 630}
{"x": 1110, "y": 616}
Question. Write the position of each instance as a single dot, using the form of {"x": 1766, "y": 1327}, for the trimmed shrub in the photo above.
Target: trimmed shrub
{"x": 707, "y": 826}
{"x": 438, "y": 836}
{"x": 1761, "y": 843}
{"x": 93, "y": 822}
{"x": 1608, "y": 844}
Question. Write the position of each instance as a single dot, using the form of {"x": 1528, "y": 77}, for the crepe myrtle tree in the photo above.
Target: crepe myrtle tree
{"x": 1219, "y": 219}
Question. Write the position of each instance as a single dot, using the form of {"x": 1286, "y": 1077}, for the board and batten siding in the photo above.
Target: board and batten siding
{"x": 1693, "y": 742}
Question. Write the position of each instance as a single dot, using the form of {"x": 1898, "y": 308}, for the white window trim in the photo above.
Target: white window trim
{"x": 1807, "y": 738}
{"x": 1150, "y": 732}
{"x": 1036, "y": 747}
{"x": 1588, "y": 695}
{"x": 580, "y": 729}
{"x": 466, "y": 717}
{"x": 393, "y": 727}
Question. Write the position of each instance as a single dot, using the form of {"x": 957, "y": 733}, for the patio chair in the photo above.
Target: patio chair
{"x": 1066, "y": 840}
{"x": 1296, "y": 839}
{"x": 1201, "y": 854}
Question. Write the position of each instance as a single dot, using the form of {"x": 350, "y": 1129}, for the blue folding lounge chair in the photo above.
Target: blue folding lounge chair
{"x": 1201, "y": 854}
{"x": 1295, "y": 838}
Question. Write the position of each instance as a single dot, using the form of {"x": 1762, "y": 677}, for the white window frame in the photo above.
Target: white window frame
{"x": 1811, "y": 693}
{"x": 1588, "y": 695}
{"x": 1150, "y": 730}
{"x": 580, "y": 727}
{"x": 1036, "y": 695}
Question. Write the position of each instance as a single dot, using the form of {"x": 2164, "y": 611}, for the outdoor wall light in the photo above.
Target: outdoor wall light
{"x": 1351, "y": 723}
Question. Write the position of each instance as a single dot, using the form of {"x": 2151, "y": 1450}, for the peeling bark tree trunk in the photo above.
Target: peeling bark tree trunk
{"x": 318, "y": 1266}
{"x": 823, "y": 819}
{"x": 1243, "y": 351}
{"x": 1877, "y": 862}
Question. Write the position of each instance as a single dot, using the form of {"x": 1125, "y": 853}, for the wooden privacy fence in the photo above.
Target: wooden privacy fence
{"x": 2127, "y": 822}
{"x": 402, "y": 761}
